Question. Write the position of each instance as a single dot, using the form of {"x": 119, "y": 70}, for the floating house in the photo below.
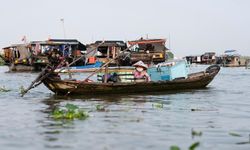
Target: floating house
{"x": 33, "y": 56}
{"x": 18, "y": 57}
{"x": 67, "y": 48}
{"x": 107, "y": 50}
{"x": 206, "y": 58}
{"x": 150, "y": 51}
{"x": 231, "y": 58}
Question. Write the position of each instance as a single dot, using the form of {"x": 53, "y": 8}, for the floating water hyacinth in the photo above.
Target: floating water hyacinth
{"x": 70, "y": 112}
{"x": 235, "y": 134}
{"x": 194, "y": 146}
{"x": 21, "y": 90}
{"x": 3, "y": 89}
{"x": 158, "y": 105}
{"x": 191, "y": 147}
{"x": 174, "y": 148}
{"x": 196, "y": 133}
{"x": 100, "y": 107}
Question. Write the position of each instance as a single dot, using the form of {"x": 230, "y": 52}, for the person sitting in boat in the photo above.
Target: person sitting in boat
{"x": 140, "y": 73}
{"x": 111, "y": 78}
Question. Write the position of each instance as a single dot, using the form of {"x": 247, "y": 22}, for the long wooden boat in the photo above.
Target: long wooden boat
{"x": 193, "y": 81}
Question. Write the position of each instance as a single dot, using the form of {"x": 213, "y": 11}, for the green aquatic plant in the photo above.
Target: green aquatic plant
{"x": 235, "y": 134}
{"x": 196, "y": 133}
{"x": 3, "y": 89}
{"x": 21, "y": 90}
{"x": 194, "y": 146}
{"x": 69, "y": 112}
{"x": 191, "y": 147}
{"x": 174, "y": 148}
{"x": 158, "y": 105}
{"x": 100, "y": 107}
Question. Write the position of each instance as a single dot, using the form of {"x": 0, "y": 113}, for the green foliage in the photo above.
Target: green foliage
{"x": 196, "y": 133}
{"x": 158, "y": 105}
{"x": 100, "y": 107}
{"x": 3, "y": 89}
{"x": 191, "y": 147}
{"x": 22, "y": 90}
{"x": 194, "y": 146}
{"x": 69, "y": 112}
{"x": 174, "y": 148}
{"x": 235, "y": 134}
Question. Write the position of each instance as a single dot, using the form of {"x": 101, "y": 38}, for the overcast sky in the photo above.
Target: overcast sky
{"x": 194, "y": 26}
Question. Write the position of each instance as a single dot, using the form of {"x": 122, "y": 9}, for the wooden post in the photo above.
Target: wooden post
{"x": 106, "y": 68}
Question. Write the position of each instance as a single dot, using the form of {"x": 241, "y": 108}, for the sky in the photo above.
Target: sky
{"x": 191, "y": 27}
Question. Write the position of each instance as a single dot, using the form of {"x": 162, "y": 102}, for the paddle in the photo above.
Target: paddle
{"x": 39, "y": 78}
{"x": 44, "y": 75}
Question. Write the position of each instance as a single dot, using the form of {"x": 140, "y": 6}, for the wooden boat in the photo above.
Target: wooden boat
{"x": 74, "y": 87}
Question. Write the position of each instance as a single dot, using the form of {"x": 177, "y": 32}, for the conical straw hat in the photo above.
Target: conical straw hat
{"x": 140, "y": 64}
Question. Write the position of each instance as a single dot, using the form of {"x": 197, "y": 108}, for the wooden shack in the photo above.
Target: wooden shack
{"x": 148, "y": 50}
{"x": 33, "y": 56}
{"x": 231, "y": 58}
{"x": 108, "y": 50}
{"x": 208, "y": 58}
{"x": 18, "y": 57}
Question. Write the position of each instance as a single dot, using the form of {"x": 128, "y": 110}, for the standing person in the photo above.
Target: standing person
{"x": 140, "y": 73}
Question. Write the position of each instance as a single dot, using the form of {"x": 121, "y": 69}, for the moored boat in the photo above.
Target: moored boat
{"x": 75, "y": 87}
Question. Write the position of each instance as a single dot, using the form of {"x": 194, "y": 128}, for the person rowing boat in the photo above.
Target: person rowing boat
{"x": 140, "y": 73}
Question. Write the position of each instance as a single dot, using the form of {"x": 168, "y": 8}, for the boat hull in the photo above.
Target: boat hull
{"x": 194, "y": 81}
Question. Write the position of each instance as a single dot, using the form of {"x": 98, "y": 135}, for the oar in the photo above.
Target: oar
{"x": 42, "y": 76}
{"x": 34, "y": 82}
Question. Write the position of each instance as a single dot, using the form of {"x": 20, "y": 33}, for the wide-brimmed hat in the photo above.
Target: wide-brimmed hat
{"x": 140, "y": 64}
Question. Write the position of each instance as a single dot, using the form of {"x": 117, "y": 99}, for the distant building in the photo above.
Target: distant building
{"x": 206, "y": 58}
{"x": 231, "y": 58}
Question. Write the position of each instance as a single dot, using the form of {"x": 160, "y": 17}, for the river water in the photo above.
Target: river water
{"x": 220, "y": 112}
